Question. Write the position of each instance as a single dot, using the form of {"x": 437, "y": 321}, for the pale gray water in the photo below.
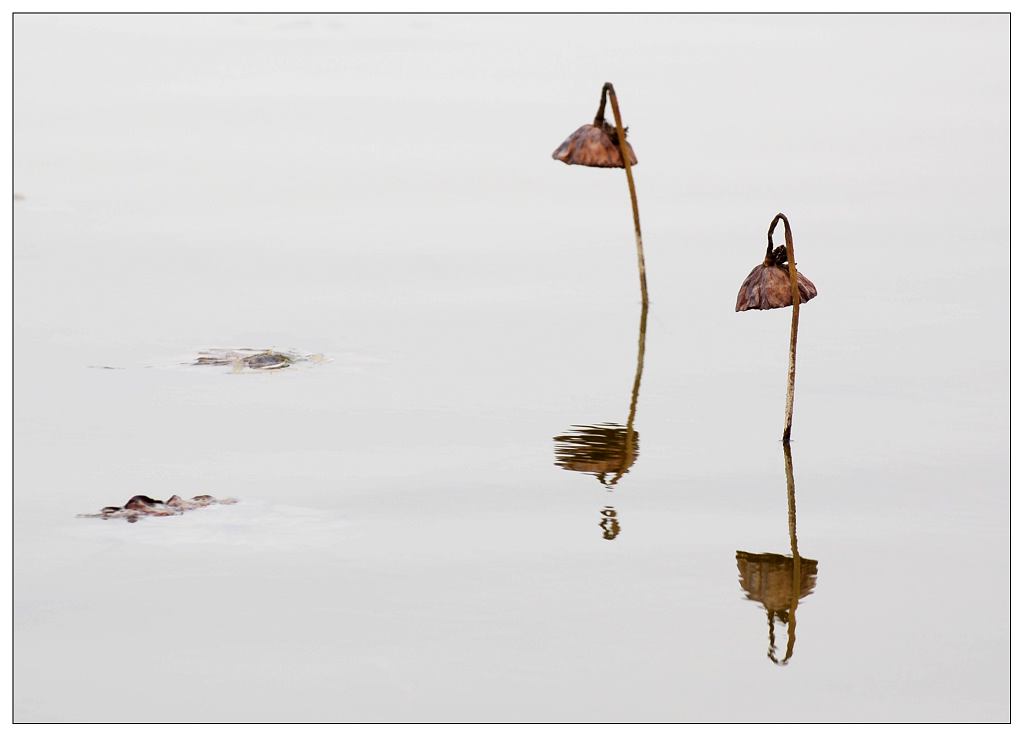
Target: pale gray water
{"x": 380, "y": 190}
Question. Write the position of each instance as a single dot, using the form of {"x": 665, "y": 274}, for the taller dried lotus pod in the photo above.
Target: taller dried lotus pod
{"x": 603, "y": 145}
{"x": 594, "y": 144}
{"x": 777, "y": 283}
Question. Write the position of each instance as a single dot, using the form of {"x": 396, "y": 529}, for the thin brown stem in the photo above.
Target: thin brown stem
{"x": 795, "y": 291}
{"x": 791, "y": 498}
{"x": 609, "y": 91}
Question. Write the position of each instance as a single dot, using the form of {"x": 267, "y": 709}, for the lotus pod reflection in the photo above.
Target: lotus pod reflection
{"x": 778, "y": 583}
{"x": 604, "y": 450}
{"x": 594, "y": 145}
{"x": 767, "y": 578}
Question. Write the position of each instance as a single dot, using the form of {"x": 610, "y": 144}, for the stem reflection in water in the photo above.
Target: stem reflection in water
{"x": 779, "y": 582}
{"x": 606, "y": 450}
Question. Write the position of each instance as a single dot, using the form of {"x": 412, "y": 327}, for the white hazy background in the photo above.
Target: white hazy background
{"x": 379, "y": 189}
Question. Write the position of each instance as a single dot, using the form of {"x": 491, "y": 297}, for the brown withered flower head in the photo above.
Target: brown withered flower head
{"x": 767, "y": 286}
{"x": 594, "y": 144}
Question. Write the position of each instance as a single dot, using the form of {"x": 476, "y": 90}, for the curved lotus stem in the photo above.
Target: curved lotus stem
{"x": 608, "y": 91}
{"x": 791, "y": 258}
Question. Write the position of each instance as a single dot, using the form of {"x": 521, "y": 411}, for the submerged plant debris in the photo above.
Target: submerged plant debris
{"x": 144, "y": 506}
{"x": 242, "y": 359}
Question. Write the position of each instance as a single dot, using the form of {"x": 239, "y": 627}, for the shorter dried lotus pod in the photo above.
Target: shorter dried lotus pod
{"x": 594, "y": 144}
{"x": 777, "y": 283}
{"x": 767, "y": 287}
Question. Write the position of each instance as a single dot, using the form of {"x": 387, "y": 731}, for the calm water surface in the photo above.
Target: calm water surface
{"x": 479, "y": 508}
